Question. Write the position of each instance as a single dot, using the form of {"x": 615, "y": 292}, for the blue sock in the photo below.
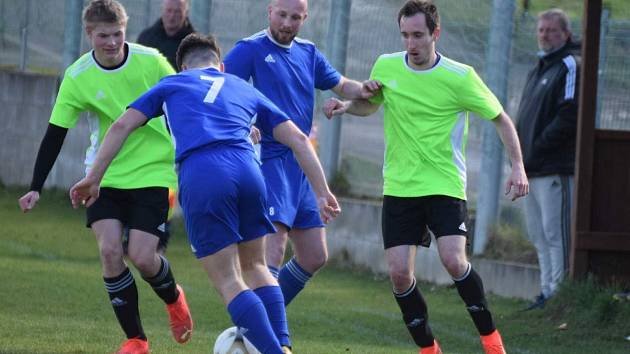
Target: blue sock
{"x": 274, "y": 271}
{"x": 249, "y": 314}
{"x": 271, "y": 297}
{"x": 292, "y": 279}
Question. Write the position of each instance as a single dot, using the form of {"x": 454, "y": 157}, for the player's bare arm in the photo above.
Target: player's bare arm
{"x": 290, "y": 135}
{"x": 335, "y": 107}
{"x": 517, "y": 182}
{"x": 85, "y": 192}
{"x": 351, "y": 89}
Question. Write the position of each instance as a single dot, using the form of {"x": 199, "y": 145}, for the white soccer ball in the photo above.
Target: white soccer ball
{"x": 251, "y": 349}
{"x": 226, "y": 343}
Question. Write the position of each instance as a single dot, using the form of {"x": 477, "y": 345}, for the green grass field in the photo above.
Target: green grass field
{"x": 53, "y": 301}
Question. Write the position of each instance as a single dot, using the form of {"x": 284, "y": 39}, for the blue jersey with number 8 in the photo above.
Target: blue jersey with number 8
{"x": 206, "y": 107}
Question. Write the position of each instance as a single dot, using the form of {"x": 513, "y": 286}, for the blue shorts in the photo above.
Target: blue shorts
{"x": 291, "y": 199}
{"x": 223, "y": 199}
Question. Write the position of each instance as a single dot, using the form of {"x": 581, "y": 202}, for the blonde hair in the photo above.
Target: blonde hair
{"x": 104, "y": 11}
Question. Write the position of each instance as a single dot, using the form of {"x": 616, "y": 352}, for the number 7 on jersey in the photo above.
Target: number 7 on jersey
{"x": 215, "y": 87}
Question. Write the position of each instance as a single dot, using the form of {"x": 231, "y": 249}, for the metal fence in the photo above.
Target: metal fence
{"x": 32, "y": 38}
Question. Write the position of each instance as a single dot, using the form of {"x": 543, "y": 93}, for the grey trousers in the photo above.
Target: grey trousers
{"x": 548, "y": 211}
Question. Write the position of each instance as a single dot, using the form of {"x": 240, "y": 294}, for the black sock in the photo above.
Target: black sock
{"x": 414, "y": 310}
{"x": 470, "y": 288}
{"x": 163, "y": 283}
{"x": 123, "y": 295}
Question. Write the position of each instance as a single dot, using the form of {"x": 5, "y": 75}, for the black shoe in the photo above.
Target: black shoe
{"x": 539, "y": 303}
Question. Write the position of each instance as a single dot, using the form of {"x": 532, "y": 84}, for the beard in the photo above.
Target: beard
{"x": 282, "y": 37}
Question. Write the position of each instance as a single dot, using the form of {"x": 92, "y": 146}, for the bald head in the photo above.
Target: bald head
{"x": 286, "y": 18}
{"x": 289, "y": 3}
{"x": 174, "y": 14}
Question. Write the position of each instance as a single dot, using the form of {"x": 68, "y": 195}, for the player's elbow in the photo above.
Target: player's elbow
{"x": 299, "y": 142}
{"x": 363, "y": 108}
{"x": 371, "y": 109}
{"x": 121, "y": 127}
{"x": 118, "y": 127}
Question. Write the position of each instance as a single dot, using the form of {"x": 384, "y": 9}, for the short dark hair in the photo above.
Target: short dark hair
{"x": 195, "y": 44}
{"x": 413, "y": 7}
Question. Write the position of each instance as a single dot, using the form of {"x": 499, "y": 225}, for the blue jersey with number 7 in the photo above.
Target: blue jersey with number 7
{"x": 205, "y": 107}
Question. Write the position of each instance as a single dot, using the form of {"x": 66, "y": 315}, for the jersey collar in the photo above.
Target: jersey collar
{"x": 438, "y": 60}
{"x": 115, "y": 68}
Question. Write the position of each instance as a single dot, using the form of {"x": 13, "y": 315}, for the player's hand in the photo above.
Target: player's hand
{"x": 369, "y": 88}
{"x": 28, "y": 201}
{"x": 85, "y": 192}
{"x": 254, "y": 134}
{"x": 328, "y": 207}
{"x": 335, "y": 107}
{"x": 517, "y": 184}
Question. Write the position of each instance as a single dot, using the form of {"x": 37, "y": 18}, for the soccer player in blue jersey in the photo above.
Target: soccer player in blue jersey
{"x": 287, "y": 70}
{"x": 221, "y": 187}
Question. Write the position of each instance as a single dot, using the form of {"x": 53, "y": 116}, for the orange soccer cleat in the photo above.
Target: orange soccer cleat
{"x": 434, "y": 349}
{"x": 180, "y": 319}
{"x": 492, "y": 343}
{"x": 134, "y": 346}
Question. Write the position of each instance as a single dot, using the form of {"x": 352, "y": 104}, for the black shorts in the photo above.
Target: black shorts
{"x": 408, "y": 220}
{"x": 144, "y": 209}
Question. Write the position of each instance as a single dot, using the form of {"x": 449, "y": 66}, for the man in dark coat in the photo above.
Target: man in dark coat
{"x": 169, "y": 30}
{"x": 547, "y": 126}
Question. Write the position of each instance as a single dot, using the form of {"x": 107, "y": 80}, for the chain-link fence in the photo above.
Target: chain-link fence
{"x": 32, "y": 31}
{"x": 32, "y": 38}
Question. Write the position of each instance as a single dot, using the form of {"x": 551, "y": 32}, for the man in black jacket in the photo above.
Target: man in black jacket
{"x": 169, "y": 30}
{"x": 547, "y": 121}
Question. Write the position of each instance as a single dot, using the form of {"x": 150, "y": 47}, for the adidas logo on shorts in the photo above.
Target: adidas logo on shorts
{"x": 463, "y": 227}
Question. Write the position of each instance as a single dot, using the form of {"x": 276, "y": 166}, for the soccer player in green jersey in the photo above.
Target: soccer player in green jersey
{"x": 426, "y": 98}
{"x": 135, "y": 189}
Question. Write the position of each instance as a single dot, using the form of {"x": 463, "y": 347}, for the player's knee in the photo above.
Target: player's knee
{"x": 319, "y": 262}
{"x": 455, "y": 266}
{"x": 400, "y": 278}
{"x": 111, "y": 255}
{"x": 314, "y": 261}
{"x": 145, "y": 263}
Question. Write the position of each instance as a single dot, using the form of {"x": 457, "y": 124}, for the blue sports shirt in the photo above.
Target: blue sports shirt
{"x": 287, "y": 74}
{"x": 205, "y": 107}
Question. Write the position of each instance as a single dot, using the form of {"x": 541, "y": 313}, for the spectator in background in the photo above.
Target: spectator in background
{"x": 547, "y": 125}
{"x": 169, "y": 30}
